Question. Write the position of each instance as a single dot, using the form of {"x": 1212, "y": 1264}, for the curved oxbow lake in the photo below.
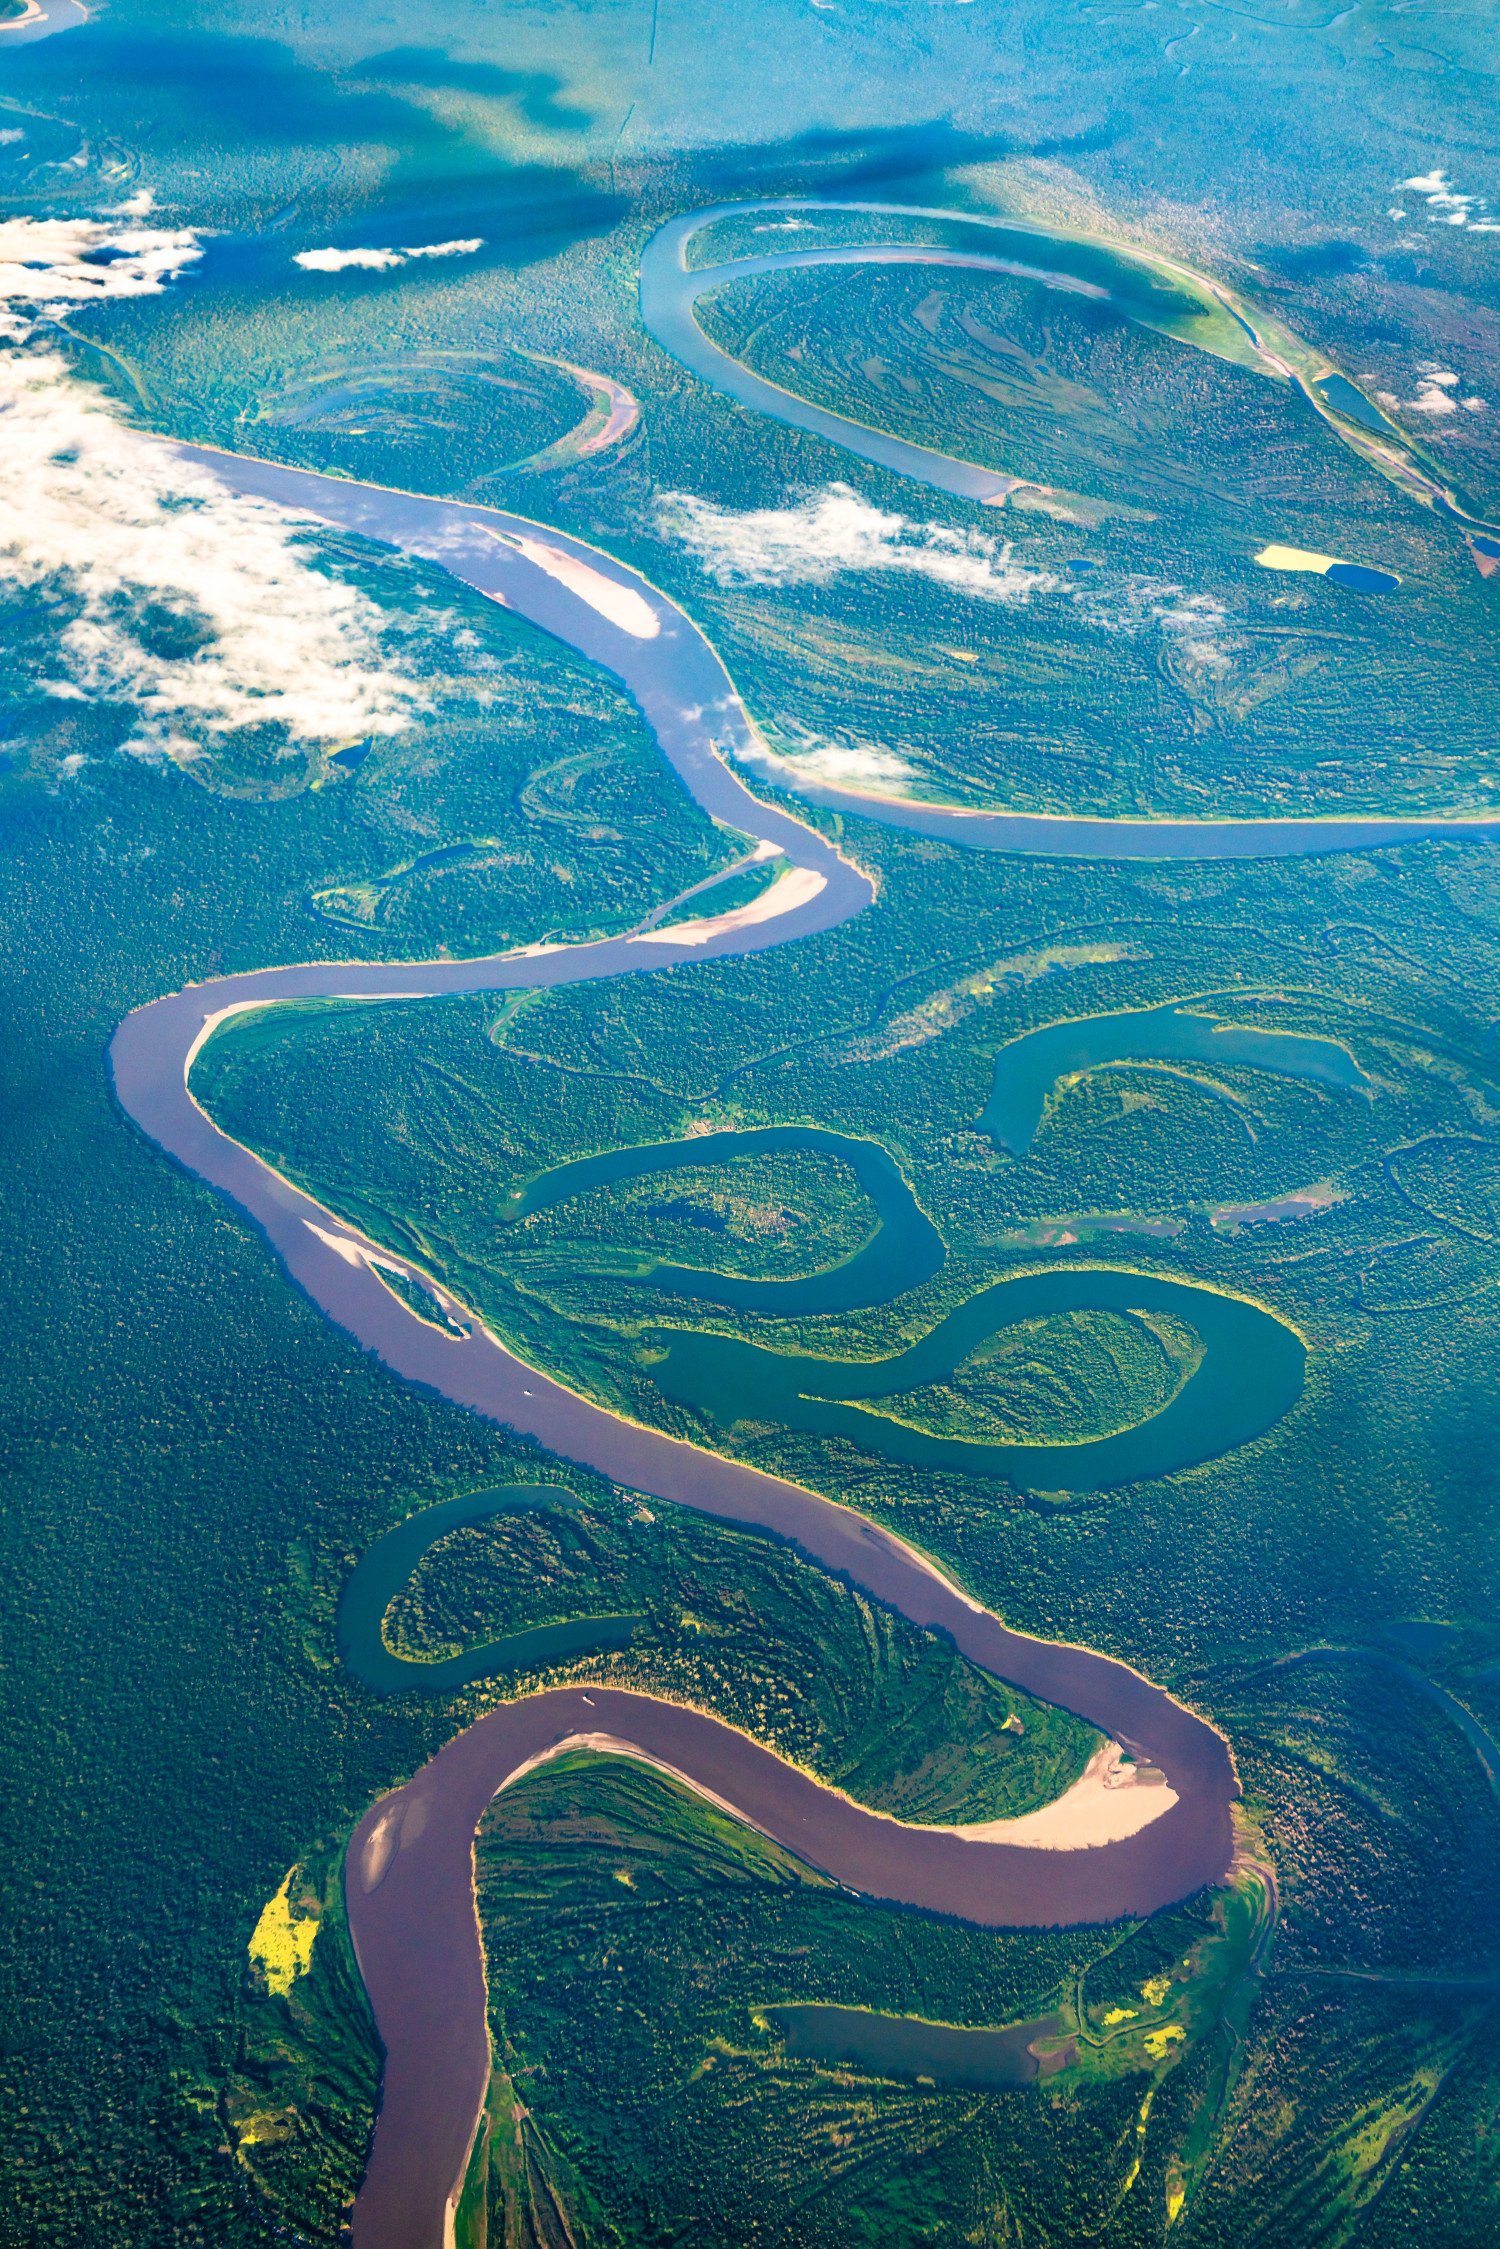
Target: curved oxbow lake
{"x": 905, "y": 1249}
{"x": 409, "y": 1882}
{"x": 1248, "y": 1378}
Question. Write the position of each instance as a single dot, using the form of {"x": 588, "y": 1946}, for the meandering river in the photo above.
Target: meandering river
{"x": 410, "y": 1873}
{"x": 414, "y": 1929}
{"x": 410, "y": 1889}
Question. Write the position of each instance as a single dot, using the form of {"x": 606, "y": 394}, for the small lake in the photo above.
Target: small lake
{"x": 1362, "y": 577}
{"x": 1345, "y": 398}
{"x": 905, "y": 2047}
{"x": 1029, "y": 1070}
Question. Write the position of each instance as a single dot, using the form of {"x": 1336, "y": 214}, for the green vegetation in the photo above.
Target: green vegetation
{"x": 1073, "y": 1379}
{"x": 1150, "y": 667}
{"x": 298, "y": 2101}
{"x": 195, "y": 1461}
{"x": 640, "y": 1945}
{"x": 1375, "y": 1811}
{"x": 735, "y": 1624}
{"x": 378, "y": 418}
{"x": 738, "y": 886}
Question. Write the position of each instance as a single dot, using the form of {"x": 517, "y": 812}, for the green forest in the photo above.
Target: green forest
{"x": 736, "y": 1201}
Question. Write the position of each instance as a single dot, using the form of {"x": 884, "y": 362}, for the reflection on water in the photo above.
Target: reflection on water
{"x": 1029, "y": 1070}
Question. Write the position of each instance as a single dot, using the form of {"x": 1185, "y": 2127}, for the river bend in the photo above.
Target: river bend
{"x": 409, "y": 1874}
{"x": 414, "y": 1927}
{"x": 414, "y": 1931}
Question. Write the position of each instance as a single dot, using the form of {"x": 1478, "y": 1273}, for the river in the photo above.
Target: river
{"x": 409, "y": 1873}
{"x": 409, "y": 1884}
{"x": 414, "y": 1931}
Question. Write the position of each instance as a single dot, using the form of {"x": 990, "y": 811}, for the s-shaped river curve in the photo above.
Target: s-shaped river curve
{"x": 409, "y": 1873}
{"x": 410, "y": 1868}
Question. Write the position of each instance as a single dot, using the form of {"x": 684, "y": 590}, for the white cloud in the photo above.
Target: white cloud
{"x": 1435, "y": 389}
{"x": 1200, "y": 633}
{"x": 1447, "y": 207}
{"x": 1197, "y": 624}
{"x": 841, "y": 760}
{"x": 380, "y": 261}
{"x": 10, "y": 136}
{"x": 834, "y": 531}
{"x": 200, "y": 609}
{"x": 464, "y": 249}
{"x": 1436, "y": 394}
{"x": 195, "y": 606}
{"x": 70, "y": 262}
{"x": 334, "y": 261}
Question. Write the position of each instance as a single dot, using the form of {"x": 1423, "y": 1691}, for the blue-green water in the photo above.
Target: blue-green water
{"x": 387, "y": 1569}
{"x": 1249, "y": 1376}
{"x": 904, "y": 1250}
{"x": 1029, "y": 1070}
{"x": 1345, "y": 398}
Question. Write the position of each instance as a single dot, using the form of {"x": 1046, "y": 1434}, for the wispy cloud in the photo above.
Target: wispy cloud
{"x": 834, "y": 531}
{"x": 1136, "y": 604}
{"x": 381, "y": 261}
{"x": 843, "y": 761}
{"x": 200, "y": 611}
{"x": 1446, "y": 206}
{"x": 48, "y": 264}
{"x": 1437, "y": 393}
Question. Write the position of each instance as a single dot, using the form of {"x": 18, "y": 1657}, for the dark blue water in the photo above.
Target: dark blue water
{"x": 1359, "y": 577}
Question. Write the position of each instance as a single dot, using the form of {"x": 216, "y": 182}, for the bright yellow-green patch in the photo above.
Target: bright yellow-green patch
{"x": 266, "y": 2127}
{"x": 1156, "y": 1990}
{"x": 1370, "y": 2142}
{"x": 1157, "y": 2041}
{"x": 282, "y": 1944}
{"x": 1120, "y": 2015}
{"x": 1141, "y": 2122}
{"x": 1295, "y": 558}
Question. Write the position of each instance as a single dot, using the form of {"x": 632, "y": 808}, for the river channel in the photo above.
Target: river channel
{"x": 409, "y": 1872}
{"x": 414, "y": 1929}
{"x": 410, "y": 1889}
{"x": 413, "y": 1918}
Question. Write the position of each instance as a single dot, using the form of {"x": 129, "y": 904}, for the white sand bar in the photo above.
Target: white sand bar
{"x": 1109, "y": 1800}
{"x": 621, "y": 605}
{"x": 798, "y": 887}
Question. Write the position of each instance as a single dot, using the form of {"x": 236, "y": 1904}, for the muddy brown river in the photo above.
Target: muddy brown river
{"x": 410, "y": 1871}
